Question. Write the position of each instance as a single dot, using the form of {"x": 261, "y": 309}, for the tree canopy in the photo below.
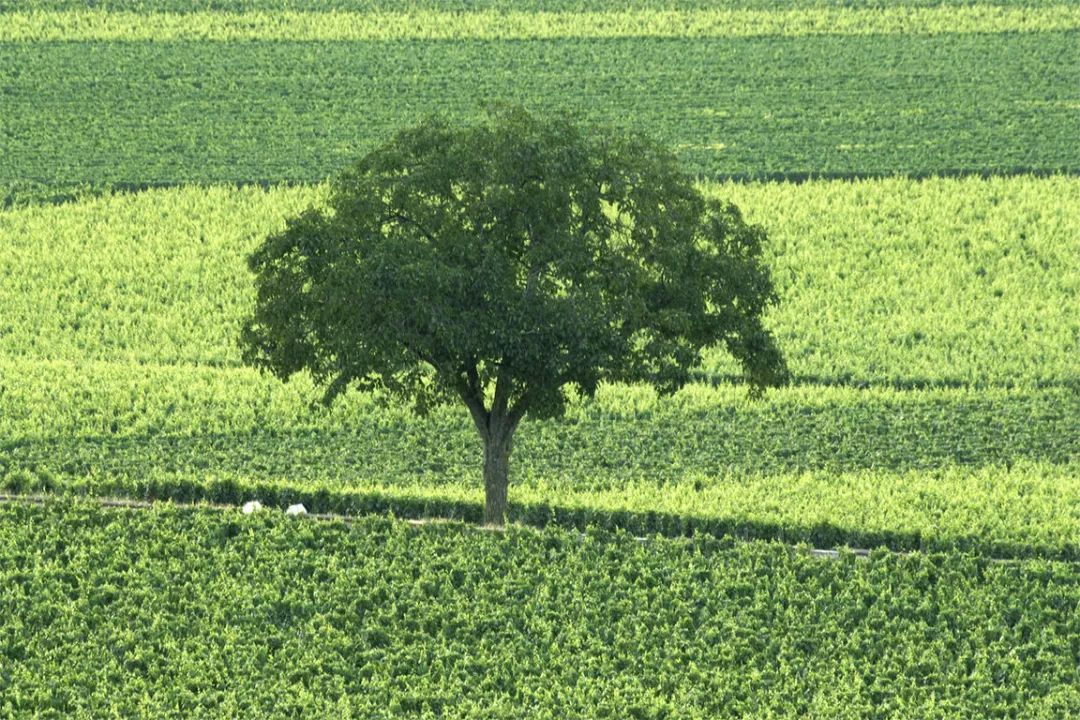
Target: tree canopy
{"x": 500, "y": 263}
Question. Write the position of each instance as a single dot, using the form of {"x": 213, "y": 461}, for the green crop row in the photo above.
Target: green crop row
{"x": 189, "y": 6}
{"x": 624, "y": 429}
{"x": 524, "y": 25}
{"x": 140, "y": 113}
{"x": 992, "y": 471}
{"x": 178, "y": 613}
{"x": 886, "y": 282}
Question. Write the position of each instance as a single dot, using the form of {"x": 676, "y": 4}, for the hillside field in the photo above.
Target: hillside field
{"x": 915, "y": 165}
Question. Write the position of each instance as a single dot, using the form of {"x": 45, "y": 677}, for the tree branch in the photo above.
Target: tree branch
{"x": 502, "y": 394}
{"x": 530, "y": 282}
{"x": 337, "y": 387}
{"x": 470, "y": 391}
{"x": 481, "y": 417}
{"x": 473, "y": 379}
{"x": 432, "y": 360}
{"x": 518, "y": 410}
{"x": 406, "y": 219}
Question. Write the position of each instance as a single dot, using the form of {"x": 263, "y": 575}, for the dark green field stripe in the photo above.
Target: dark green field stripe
{"x": 158, "y": 113}
{"x": 991, "y": 472}
{"x": 176, "y": 613}
{"x": 866, "y": 430}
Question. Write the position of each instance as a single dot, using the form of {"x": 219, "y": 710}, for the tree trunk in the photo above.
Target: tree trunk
{"x": 496, "y": 476}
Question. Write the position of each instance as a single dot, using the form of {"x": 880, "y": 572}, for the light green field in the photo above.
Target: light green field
{"x": 902, "y": 282}
{"x": 928, "y": 324}
{"x": 95, "y": 25}
{"x": 924, "y": 240}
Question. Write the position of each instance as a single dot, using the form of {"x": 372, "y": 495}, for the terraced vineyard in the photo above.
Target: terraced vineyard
{"x": 929, "y": 268}
{"x": 262, "y": 616}
{"x": 139, "y": 101}
{"x": 127, "y": 362}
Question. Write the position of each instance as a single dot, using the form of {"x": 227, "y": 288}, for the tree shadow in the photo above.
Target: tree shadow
{"x": 403, "y": 504}
{"x": 328, "y": 470}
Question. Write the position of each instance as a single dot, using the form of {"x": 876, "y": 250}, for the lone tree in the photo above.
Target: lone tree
{"x": 501, "y": 263}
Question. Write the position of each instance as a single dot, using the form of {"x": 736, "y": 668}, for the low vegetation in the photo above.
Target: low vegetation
{"x": 170, "y": 613}
{"x": 925, "y": 244}
{"x": 172, "y": 112}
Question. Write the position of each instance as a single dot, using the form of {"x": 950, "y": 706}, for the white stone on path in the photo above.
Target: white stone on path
{"x": 297, "y": 509}
{"x": 251, "y": 506}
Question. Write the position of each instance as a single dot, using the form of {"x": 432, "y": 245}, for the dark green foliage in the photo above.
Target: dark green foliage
{"x": 169, "y": 613}
{"x": 827, "y": 106}
{"x": 512, "y": 258}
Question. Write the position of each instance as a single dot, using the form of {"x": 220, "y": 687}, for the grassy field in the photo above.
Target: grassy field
{"x": 892, "y": 282}
{"x": 172, "y": 613}
{"x": 143, "y": 99}
{"x": 937, "y": 411}
{"x": 914, "y": 163}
